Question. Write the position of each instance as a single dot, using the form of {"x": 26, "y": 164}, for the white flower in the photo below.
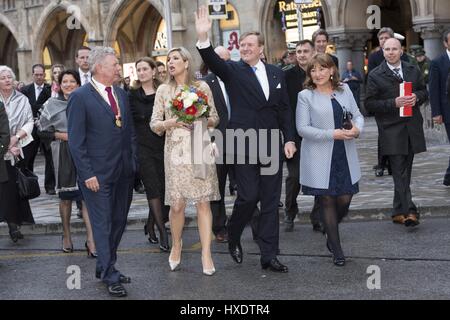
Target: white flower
{"x": 189, "y": 99}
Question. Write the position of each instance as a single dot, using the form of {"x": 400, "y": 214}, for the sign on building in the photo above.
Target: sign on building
{"x": 217, "y": 9}
{"x": 231, "y": 42}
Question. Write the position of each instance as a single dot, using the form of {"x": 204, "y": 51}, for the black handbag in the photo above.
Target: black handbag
{"x": 27, "y": 184}
{"x": 347, "y": 120}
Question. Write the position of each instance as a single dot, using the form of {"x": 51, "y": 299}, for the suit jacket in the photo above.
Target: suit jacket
{"x": 4, "y": 142}
{"x": 251, "y": 110}
{"x": 219, "y": 101}
{"x": 37, "y": 103}
{"x": 98, "y": 147}
{"x": 439, "y": 72}
{"x": 395, "y": 132}
{"x": 295, "y": 78}
{"x": 315, "y": 123}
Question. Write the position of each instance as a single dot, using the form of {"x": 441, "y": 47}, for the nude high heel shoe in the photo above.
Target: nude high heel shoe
{"x": 174, "y": 265}
{"x": 208, "y": 272}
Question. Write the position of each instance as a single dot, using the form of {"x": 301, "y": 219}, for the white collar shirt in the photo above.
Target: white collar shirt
{"x": 261, "y": 75}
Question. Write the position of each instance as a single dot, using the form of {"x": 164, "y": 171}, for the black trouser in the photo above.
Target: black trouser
{"x": 383, "y": 161}
{"x": 447, "y": 173}
{"x": 218, "y": 207}
{"x": 292, "y": 186}
{"x": 30, "y": 152}
{"x": 254, "y": 187}
{"x": 401, "y": 172}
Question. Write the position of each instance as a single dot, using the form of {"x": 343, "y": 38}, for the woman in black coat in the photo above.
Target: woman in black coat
{"x": 150, "y": 151}
{"x": 4, "y": 142}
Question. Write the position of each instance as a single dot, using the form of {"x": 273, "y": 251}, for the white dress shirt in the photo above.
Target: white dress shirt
{"x": 399, "y": 67}
{"x": 261, "y": 74}
{"x": 448, "y": 53}
{"x": 225, "y": 96}
{"x": 38, "y": 90}
{"x": 84, "y": 77}
{"x": 102, "y": 90}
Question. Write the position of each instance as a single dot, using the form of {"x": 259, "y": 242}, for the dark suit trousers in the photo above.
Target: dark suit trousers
{"x": 447, "y": 173}
{"x": 30, "y": 152}
{"x": 401, "y": 172}
{"x": 218, "y": 207}
{"x": 292, "y": 186}
{"x": 254, "y": 187}
{"x": 108, "y": 211}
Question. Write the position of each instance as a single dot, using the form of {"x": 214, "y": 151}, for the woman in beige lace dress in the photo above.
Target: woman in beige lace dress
{"x": 182, "y": 184}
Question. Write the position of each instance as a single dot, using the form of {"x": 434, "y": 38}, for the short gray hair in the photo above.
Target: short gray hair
{"x": 386, "y": 30}
{"x": 97, "y": 55}
{"x": 8, "y": 69}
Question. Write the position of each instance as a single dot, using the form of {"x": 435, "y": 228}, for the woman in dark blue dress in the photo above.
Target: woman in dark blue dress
{"x": 329, "y": 166}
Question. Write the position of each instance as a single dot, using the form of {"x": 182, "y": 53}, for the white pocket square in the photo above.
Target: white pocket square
{"x": 279, "y": 86}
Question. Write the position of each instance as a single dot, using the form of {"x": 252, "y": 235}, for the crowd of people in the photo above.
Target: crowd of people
{"x": 97, "y": 134}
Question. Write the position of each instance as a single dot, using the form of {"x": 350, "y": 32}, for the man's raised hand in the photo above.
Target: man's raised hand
{"x": 202, "y": 23}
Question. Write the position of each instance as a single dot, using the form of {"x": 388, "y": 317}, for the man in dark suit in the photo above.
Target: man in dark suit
{"x": 375, "y": 59}
{"x": 295, "y": 77}
{"x": 102, "y": 142}
{"x": 260, "y": 102}
{"x": 38, "y": 93}
{"x": 4, "y": 142}
{"x": 440, "y": 107}
{"x": 400, "y": 137}
{"x": 223, "y": 107}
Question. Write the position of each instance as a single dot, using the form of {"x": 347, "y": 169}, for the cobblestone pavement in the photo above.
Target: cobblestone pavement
{"x": 373, "y": 201}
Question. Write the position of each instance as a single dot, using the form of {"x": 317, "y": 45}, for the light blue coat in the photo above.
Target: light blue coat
{"x": 315, "y": 123}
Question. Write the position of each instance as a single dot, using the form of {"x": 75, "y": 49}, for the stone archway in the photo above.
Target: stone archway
{"x": 271, "y": 28}
{"x": 54, "y": 34}
{"x": 8, "y": 52}
{"x": 134, "y": 24}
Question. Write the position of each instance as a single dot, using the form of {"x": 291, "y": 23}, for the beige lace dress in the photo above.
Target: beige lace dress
{"x": 181, "y": 184}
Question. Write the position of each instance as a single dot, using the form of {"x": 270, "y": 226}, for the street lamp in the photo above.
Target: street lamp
{"x": 168, "y": 19}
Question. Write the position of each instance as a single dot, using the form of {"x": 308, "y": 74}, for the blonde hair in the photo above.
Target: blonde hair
{"x": 325, "y": 61}
{"x": 190, "y": 76}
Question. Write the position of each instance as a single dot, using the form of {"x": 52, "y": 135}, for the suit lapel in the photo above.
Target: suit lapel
{"x": 259, "y": 92}
{"x": 101, "y": 100}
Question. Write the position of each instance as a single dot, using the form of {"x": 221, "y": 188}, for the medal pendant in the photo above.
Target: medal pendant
{"x": 118, "y": 123}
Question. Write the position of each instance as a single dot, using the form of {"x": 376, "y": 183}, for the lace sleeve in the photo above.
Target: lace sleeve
{"x": 157, "y": 120}
{"x": 213, "y": 119}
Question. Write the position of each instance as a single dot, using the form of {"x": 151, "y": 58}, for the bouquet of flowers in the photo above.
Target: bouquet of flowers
{"x": 190, "y": 104}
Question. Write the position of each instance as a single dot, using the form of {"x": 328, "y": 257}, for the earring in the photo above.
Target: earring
{"x": 331, "y": 77}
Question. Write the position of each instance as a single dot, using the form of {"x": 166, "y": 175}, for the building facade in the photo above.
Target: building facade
{"x": 50, "y": 31}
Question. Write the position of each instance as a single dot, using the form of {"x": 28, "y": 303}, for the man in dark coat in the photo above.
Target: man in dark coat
{"x": 4, "y": 142}
{"x": 295, "y": 77}
{"x": 400, "y": 137}
{"x": 38, "y": 93}
{"x": 440, "y": 106}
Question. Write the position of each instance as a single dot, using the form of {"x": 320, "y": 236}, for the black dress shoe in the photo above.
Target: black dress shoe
{"x": 446, "y": 181}
{"x": 275, "y": 265}
{"x": 152, "y": 238}
{"x": 339, "y": 261}
{"x": 379, "y": 172}
{"x": 117, "y": 290}
{"x": 317, "y": 227}
{"x": 235, "y": 251}
{"x": 289, "y": 224}
{"x": 124, "y": 279}
{"x": 233, "y": 190}
{"x": 280, "y": 204}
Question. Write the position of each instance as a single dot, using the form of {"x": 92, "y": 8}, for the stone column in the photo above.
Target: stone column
{"x": 24, "y": 60}
{"x": 344, "y": 45}
{"x": 432, "y": 38}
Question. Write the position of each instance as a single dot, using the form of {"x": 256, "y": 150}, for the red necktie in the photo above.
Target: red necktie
{"x": 112, "y": 101}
